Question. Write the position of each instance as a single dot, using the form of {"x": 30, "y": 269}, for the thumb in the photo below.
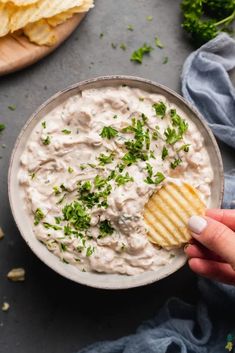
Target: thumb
{"x": 215, "y": 236}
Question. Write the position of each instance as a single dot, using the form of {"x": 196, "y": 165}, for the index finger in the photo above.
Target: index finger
{"x": 226, "y": 217}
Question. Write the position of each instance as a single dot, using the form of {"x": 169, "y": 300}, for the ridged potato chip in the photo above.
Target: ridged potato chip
{"x": 42, "y": 9}
{"x": 20, "y": 2}
{"x": 63, "y": 16}
{"x": 40, "y": 33}
{"x": 167, "y": 212}
{"x": 5, "y": 13}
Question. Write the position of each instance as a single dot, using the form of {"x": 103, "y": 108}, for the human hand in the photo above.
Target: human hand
{"x": 212, "y": 250}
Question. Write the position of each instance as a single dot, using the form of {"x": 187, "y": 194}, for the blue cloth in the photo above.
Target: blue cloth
{"x": 206, "y": 84}
{"x": 182, "y": 327}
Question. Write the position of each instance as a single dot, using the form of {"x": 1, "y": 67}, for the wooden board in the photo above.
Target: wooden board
{"x": 17, "y": 52}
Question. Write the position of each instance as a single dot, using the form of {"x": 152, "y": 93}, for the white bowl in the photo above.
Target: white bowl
{"x": 105, "y": 281}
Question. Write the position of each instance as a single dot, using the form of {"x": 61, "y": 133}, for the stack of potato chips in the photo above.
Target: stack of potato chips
{"x": 37, "y": 19}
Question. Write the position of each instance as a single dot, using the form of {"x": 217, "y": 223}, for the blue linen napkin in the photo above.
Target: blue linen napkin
{"x": 206, "y": 84}
{"x": 207, "y": 326}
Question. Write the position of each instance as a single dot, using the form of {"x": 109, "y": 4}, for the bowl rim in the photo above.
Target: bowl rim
{"x": 84, "y": 83}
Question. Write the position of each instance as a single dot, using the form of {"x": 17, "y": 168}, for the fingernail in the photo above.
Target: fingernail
{"x": 186, "y": 246}
{"x": 197, "y": 224}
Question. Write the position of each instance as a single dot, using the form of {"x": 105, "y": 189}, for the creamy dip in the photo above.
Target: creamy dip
{"x": 90, "y": 166}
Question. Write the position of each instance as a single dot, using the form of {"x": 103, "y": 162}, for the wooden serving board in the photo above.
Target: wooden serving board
{"x": 16, "y": 52}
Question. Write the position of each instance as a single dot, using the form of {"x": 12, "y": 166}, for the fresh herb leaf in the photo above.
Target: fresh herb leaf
{"x": 90, "y": 251}
{"x": 138, "y": 54}
{"x": 12, "y": 107}
{"x": 184, "y": 148}
{"x": 44, "y": 124}
{"x": 149, "y": 169}
{"x": 165, "y": 60}
{"x": 99, "y": 182}
{"x": 58, "y": 220}
{"x": 2, "y": 127}
{"x": 70, "y": 170}
{"x": 160, "y": 109}
{"x": 176, "y": 163}
{"x": 38, "y": 216}
{"x": 63, "y": 248}
{"x": 66, "y": 132}
{"x": 105, "y": 159}
{"x": 105, "y": 228}
{"x": 123, "y": 179}
{"x": 149, "y": 18}
{"x": 178, "y": 122}
{"x": 159, "y": 177}
{"x": 76, "y": 214}
{"x": 108, "y": 132}
{"x": 158, "y": 43}
{"x": 115, "y": 117}
{"x": 56, "y": 190}
{"x": 46, "y": 141}
{"x": 51, "y": 226}
{"x": 164, "y": 153}
{"x": 123, "y": 46}
{"x": 130, "y": 28}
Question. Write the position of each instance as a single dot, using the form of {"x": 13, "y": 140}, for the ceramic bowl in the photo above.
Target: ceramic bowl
{"x": 105, "y": 281}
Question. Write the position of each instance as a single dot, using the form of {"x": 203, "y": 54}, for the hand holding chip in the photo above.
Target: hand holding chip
{"x": 212, "y": 251}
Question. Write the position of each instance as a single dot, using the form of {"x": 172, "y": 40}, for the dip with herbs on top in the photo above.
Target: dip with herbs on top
{"x": 93, "y": 162}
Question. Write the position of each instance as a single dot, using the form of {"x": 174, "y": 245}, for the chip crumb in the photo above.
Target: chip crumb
{"x": 5, "y": 306}
{"x": 16, "y": 275}
{"x": 1, "y": 234}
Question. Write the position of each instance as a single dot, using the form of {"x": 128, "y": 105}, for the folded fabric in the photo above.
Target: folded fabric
{"x": 181, "y": 327}
{"x": 206, "y": 84}
{"x": 208, "y": 326}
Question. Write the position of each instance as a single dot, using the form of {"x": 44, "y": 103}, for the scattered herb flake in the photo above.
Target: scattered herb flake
{"x": 12, "y": 107}
{"x": 160, "y": 109}
{"x": 158, "y": 43}
{"x": 130, "y": 28}
{"x": 184, "y": 148}
{"x": 108, "y": 132}
{"x": 149, "y": 18}
{"x": 165, "y": 60}
{"x": 105, "y": 228}
{"x": 44, "y": 124}
{"x": 113, "y": 45}
{"x": 176, "y": 163}
{"x": 70, "y": 170}
{"x": 105, "y": 159}
{"x": 101, "y": 35}
{"x": 2, "y": 127}
{"x": 123, "y": 179}
{"x": 66, "y": 132}
{"x": 90, "y": 250}
{"x": 46, "y": 141}
{"x": 138, "y": 54}
{"x": 123, "y": 46}
{"x": 38, "y": 216}
{"x": 164, "y": 153}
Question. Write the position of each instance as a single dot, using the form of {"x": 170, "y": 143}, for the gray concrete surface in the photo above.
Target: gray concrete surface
{"x": 49, "y": 313}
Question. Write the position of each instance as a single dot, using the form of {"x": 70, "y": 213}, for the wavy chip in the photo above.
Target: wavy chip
{"x": 40, "y": 33}
{"x": 43, "y": 9}
{"x": 20, "y": 2}
{"x": 167, "y": 213}
{"x": 5, "y": 13}
{"x": 64, "y": 16}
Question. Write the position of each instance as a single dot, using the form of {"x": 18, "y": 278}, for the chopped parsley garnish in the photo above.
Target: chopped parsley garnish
{"x": 149, "y": 169}
{"x": 56, "y": 190}
{"x": 108, "y": 132}
{"x": 130, "y": 28}
{"x": 38, "y": 216}
{"x": 105, "y": 228}
{"x": 101, "y": 35}
{"x": 2, "y": 127}
{"x": 63, "y": 248}
{"x": 83, "y": 166}
{"x": 99, "y": 182}
{"x": 46, "y": 141}
{"x": 165, "y": 60}
{"x": 123, "y": 46}
{"x": 66, "y": 132}
{"x": 89, "y": 251}
{"x": 113, "y": 45}
{"x": 178, "y": 122}
{"x": 151, "y": 155}
{"x": 51, "y": 226}
{"x": 12, "y": 107}
{"x": 115, "y": 117}
{"x": 160, "y": 109}
{"x": 164, "y": 153}
{"x": 58, "y": 220}
{"x": 105, "y": 159}
{"x": 141, "y": 99}
{"x": 44, "y": 124}
{"x": 159, "y": 177}
{"x": 158, "y": 43}
{"x": 176, "y": 162}
{"x": 172, "y": 136}
{"x": 112, "y": 175}
{"x": 138, "y": 54}
{"x": 70, "y": 170}
{"x": 184, "y": 148}
{"x": 86, "y": 186}
{"x": 149, "y": 18}
{"x": 77, "y": 216}
{"x": 123, "y": 179}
